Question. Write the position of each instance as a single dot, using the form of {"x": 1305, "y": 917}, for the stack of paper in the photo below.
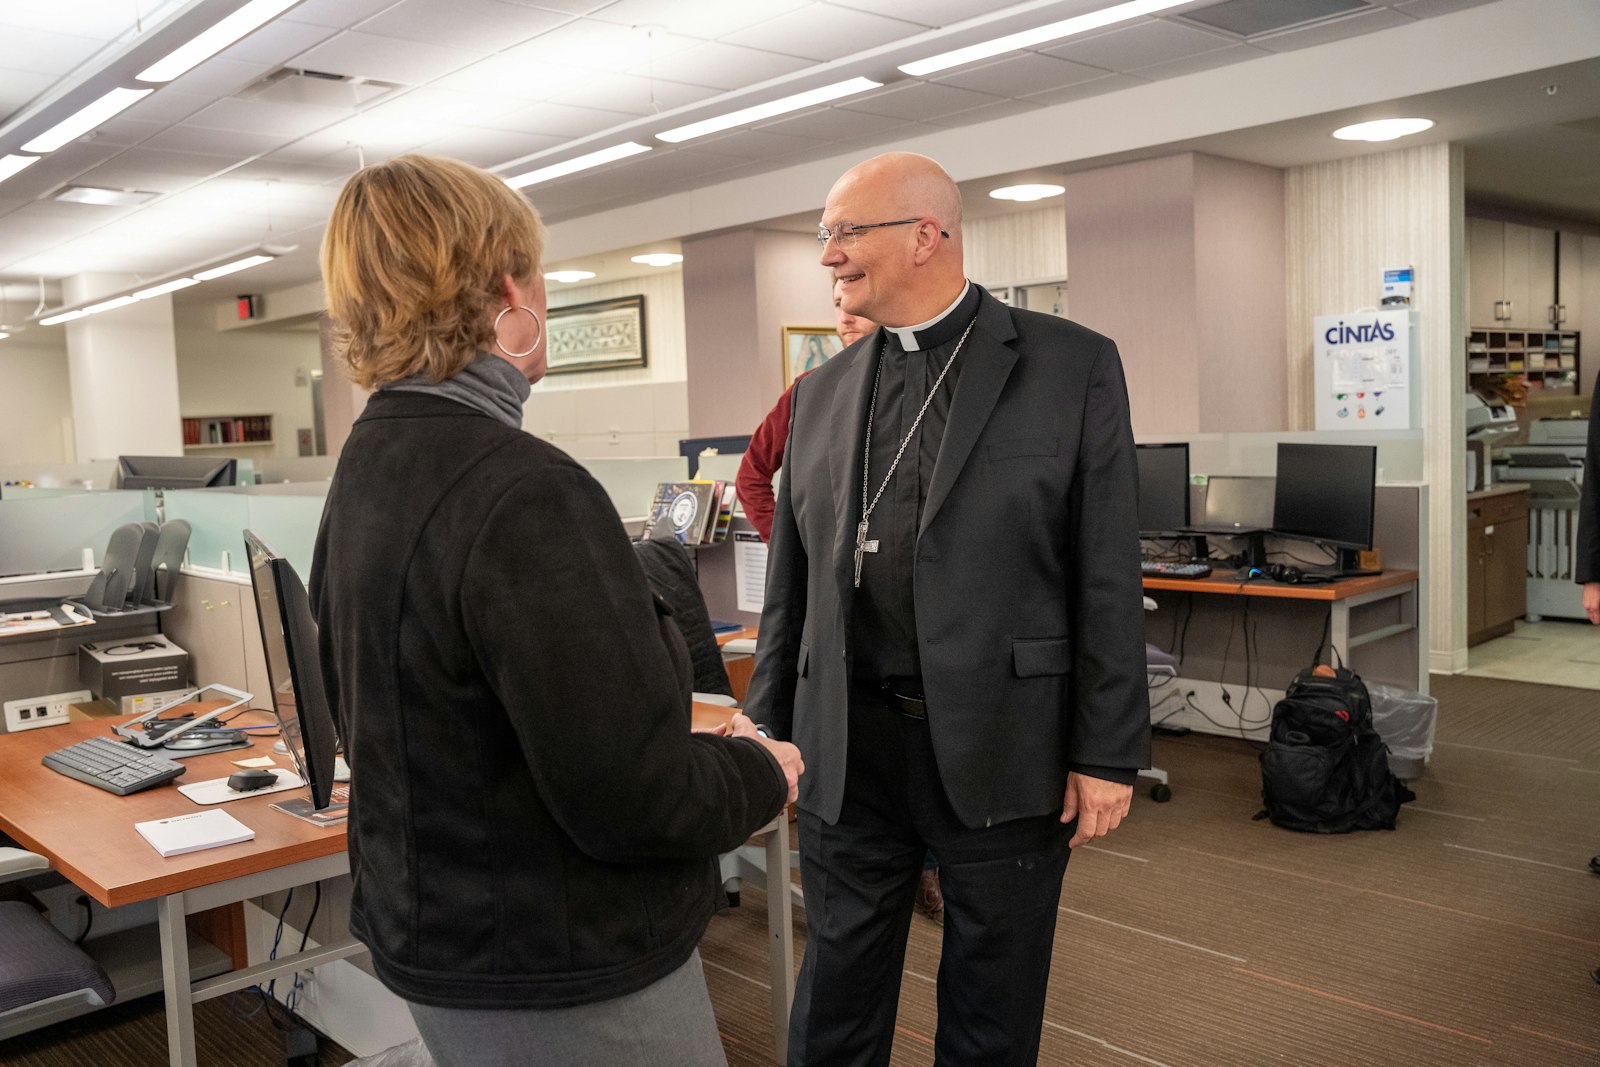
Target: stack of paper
{"x": 193, "y": 832}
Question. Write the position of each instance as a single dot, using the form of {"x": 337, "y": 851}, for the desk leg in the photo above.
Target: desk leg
{"x": 780, "y": 931}
{"x": 1339, "y": 629}
{"x": 175, "y": 979}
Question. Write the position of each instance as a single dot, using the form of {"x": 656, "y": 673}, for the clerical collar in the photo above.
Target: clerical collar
{"x": 940, "y": 329}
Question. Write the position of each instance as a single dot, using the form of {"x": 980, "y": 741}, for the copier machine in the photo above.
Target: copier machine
{"x": 1551, "y": 465}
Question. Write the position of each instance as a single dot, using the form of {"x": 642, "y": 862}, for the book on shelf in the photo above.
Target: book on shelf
{"x": 688, "y": 509}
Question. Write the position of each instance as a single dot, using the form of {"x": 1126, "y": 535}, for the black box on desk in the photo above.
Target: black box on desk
{"x": 124, "y": 671}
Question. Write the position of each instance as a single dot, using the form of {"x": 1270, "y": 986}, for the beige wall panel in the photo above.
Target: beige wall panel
{"x": 727, "y": 395}
{"x": 1026, "y": 246}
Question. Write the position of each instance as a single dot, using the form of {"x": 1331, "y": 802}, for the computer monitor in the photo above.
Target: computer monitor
{"x": 1163, "y": 488}
{"x": 294, "y": 668}
{"x": 1241, "y": 502}
{"x": 175, "y": 472}
{"x": 1325, "y": 493}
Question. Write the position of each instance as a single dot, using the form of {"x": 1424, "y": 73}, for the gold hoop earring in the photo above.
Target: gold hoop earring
{"x": 538, "y": 337}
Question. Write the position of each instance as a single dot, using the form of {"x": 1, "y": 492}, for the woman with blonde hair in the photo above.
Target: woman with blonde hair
{"x": 533, "y": 827}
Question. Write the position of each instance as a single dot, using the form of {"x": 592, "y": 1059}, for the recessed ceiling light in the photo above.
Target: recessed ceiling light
{"x": 1382, "y": 129}
{"x": 1054, "y": 31}
{"x": 1024, "y": 193}
{"x": 572, "y": 166}
{"x": 85, "y": 119}
{"x": 89, "y": 194}
{"x": 659, "y": 259}
{"x": 568, "y": 276}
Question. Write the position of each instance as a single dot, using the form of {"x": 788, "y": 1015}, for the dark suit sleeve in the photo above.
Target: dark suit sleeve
{"x": 563, "y": 624}
{"x": 1111, "y": 706}
{"x": 770, "y": 698}
{"x": 1588, "y": 569}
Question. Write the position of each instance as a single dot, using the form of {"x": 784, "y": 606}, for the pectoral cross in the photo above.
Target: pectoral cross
{"x": 862, "y": 545}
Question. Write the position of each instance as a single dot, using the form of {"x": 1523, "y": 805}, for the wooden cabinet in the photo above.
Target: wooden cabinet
{"x": 1569, "y": 281}
{"x": 1497, "y": 562}
{"x": 1511, "y": 274}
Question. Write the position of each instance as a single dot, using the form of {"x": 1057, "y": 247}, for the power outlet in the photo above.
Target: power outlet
{"x": 30, "y": 713}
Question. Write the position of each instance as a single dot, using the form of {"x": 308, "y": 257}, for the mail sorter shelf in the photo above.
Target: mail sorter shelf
{"x": 226, "y": 431}
{"x": 1542, "y": 358}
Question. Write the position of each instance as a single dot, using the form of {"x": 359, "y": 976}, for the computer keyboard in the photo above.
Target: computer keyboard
{"x": 1154, "y": 569}
{"x": 114, "y": 766}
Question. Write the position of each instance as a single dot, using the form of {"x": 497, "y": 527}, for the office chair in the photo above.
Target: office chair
{"x": 1158, "y": 663}
{"x": 44, "y": 977}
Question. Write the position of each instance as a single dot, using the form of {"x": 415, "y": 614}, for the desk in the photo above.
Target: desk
{"x": 88, "y": 836}
{"x": 1371, "y": 622}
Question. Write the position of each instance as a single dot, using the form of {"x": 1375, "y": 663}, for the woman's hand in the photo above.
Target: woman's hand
{"x": 787, "y": 755}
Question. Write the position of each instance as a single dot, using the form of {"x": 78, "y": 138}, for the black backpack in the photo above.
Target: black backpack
{"x": 1326, "y": 770}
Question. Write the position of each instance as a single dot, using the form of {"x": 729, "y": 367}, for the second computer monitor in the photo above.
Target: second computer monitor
{"x": 1163, "y": 488}
{"x": 1240, "y": 502}
{"x": 1325, "y": 493}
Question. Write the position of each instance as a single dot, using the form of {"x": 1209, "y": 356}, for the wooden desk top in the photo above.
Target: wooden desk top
{"x": 1222, "y": 582}
{"x": 711, "y": 717}
{"x": 748, "y": 631}
{"x": 88, "y": 835}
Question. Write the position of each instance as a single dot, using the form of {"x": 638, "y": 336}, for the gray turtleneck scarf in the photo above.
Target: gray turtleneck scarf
{"x": 489, "y": 384}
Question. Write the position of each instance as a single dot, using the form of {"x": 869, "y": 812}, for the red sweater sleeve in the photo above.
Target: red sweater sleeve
{"x": 761, "y": 460}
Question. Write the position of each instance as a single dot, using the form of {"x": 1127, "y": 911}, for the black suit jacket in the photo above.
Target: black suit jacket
{"x": 1588, "y": 569}
{"x": 1027, "y": 583}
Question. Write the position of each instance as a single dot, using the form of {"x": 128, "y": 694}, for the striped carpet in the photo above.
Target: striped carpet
{"x": 1196, "y": 937}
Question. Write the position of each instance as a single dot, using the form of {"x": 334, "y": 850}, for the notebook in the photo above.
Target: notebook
{"x": 193, "y": 832}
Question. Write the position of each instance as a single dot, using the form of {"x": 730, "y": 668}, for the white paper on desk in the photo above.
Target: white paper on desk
{"x": 216, "y": 791}
{"x": 749, "y": 570}
{"x": 257, "y": 761}
{"x": 193, "y": 832}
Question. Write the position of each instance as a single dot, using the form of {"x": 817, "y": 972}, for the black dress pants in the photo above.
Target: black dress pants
{"x": 1001, "y": 885}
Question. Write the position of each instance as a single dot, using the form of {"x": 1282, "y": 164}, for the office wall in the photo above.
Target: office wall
{"x": 727, "y": 393}
{"x": 36, "y": 399}
{"x": 251, "y": 371}
{"x": 792, "y": 289}
{"x": 1025, "y": 246}
{"x": 1347, "y": 221}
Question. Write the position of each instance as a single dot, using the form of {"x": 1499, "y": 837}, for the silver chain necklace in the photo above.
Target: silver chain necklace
{"x": 864, "y": 546}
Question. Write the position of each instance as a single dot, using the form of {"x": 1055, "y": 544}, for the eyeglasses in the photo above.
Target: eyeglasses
{"x": 846, "y": 232}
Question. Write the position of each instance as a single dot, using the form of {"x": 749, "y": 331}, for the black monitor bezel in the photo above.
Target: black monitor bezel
{"x": 1280, "y": 529}
{"x": 1184, "y": 496}
{"x": 211, "y": 472}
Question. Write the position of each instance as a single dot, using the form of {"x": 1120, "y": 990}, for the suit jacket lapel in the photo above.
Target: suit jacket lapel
{"x": 988, "y": 366}
{"x": 847, "y": 422}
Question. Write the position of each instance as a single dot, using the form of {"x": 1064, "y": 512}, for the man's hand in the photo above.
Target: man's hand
{"x": 1591, "y": 601}
{"x": 787, "y": 755}
{"x": 1097, "y": 804}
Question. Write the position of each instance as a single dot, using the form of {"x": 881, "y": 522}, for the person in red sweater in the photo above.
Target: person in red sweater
{"x": 764, "y": 455}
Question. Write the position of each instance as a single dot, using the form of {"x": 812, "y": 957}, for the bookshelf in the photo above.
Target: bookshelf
{"x": 1544, "y": 359}
{"x": 226, "y": 431}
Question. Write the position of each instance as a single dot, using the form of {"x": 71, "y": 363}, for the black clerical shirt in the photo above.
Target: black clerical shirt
{"x": 883, "y": 623}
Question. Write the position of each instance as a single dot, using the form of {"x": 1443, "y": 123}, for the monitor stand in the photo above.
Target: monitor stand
{"x": 1349, "y": 565}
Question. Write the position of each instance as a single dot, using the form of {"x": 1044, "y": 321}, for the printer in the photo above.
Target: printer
{"x": 1551, "y": 463}
{"x": 1485, "y": 421}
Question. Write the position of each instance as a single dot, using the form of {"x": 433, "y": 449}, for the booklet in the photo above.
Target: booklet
{"x": 193, "y": 832}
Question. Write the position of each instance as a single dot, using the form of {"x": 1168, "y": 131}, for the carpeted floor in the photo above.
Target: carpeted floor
{"x": 1196, "y": 937}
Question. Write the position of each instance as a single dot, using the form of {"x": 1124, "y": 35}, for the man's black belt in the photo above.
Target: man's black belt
{"x": 903, "y": 695}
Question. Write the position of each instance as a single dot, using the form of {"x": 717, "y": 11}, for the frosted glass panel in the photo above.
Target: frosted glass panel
{"x": 43, "y": 533}
{"x": 631, "y": 483}
{"x": 721, "y": 466}
{"x": 217, "y": 519}
{"x": 288, "y": 524}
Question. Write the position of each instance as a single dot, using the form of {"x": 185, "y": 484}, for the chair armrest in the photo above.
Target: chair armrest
{"x": 16, "y": 862}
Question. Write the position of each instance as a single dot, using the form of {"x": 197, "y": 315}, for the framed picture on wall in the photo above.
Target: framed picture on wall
{"x": 807, "y": 348}
{"x": 601, "y": 335}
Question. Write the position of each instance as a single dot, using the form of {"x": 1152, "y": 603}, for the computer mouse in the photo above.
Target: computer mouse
{"x": 1244, "y": 574}
{"x": 252, "y": 778}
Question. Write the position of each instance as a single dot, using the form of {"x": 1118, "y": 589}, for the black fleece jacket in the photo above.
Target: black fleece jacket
{"x": 532, "y": 823}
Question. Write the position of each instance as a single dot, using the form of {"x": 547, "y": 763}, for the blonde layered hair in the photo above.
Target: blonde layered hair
{"x": 414, "y": 256}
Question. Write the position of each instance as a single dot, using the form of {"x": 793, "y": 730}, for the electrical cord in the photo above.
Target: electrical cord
{"x": 88, "y": 919}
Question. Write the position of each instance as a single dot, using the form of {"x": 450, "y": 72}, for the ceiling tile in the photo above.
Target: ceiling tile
{"x": 1222, "y": 57}
{"x": 840, "y": 32}
{"x": 1143, "y": 45}
{"x": 935, "y": 13}
{"x": 831, "y": 124}
{"x": 916, "y": 101}
{"x": 1427, "y": 9}
{"x": 339, "y": 14}
{"x": 100, "y": 19}
{"x": 265, "y": 117}
{"x": 214, "y": 78}
{"x": 167, "y": 106}
{"x": 1354, "y": 25}
{"x": 1082, "y": 90}
{"x": 516, "y": 78}
{"x": 43, "y": 52}
{"x": 63, "y": 165}
{"x": 490, "y": 148}
{"x": 604, "y": 46}
{"x": 18, "y": 87}
{"x": 723, "y": 66}
{"x": 1021, "y": 74}
{"x": 703, "y": 18}
{"x": 760, "y": 144}
{"x": 156, "y": 170}
{"x": 635, "y": 96}
{"x": 369, "y": 56}
{"x": 185, "y": 138}
{"x": 570, "y": 7}
{"x": 374, "y": 131}
{"x": 278, "y": 170}
{"x": 277, "y": 42}
{"x": 479, "y": 25}
{"x": 125, "y": 132}
{"x": 986, "y": 113}
{"x": 431, "y": 105}
{"x": 558, "y": 120}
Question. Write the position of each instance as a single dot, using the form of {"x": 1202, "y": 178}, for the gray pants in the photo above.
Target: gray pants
{"x": 667, "y": 1024}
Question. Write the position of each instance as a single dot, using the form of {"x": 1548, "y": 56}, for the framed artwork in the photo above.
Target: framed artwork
{"x": 601, "y": 335}
{"x": 807, "y": 348}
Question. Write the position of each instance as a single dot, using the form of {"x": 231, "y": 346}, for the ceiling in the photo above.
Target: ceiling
{"x": 501, "y": 82}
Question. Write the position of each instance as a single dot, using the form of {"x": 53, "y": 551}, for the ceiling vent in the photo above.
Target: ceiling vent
{"x": 315, "y": 87}
{"x": 1252, "y": 18}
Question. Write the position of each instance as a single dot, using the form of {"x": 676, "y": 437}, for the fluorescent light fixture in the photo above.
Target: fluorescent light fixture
{"x": 1027, "y": 193}
{"x": 85, "y": 119}
{"x": 10, "y": 165}
{"x": 165, "y": 287}
{"x": 572, "y": 166}
{"x": 568, "y": 276}
{"x": 65, "y": 316}
{"x": 659, "y": 259}
{"x": 782, "y": 106}
{"x": 229, "y": 268}
{"x": 110, "y": 305}
{"x": 209, "y": 42}
{"x": 1382, "y": 129}
{"x": 1041, "y": 35}
{"x": 3, "y": 336}
{"x": 91, "y": 194}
